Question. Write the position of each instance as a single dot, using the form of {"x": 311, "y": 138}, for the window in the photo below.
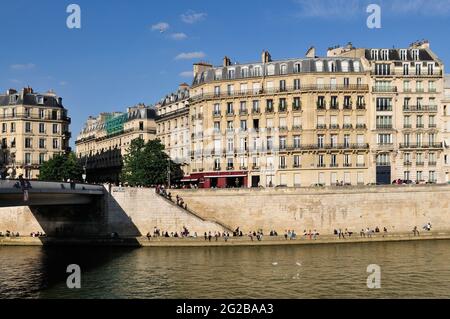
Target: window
{"x": 4, "y": 127}
{"x": 28, "y": 142}
{"x": 269, "y": 143}
{"x": 374, "y": 54}
{"x": 385, "y": 54}
{"x": 244, "y": 72}
{"x": 418, "y": 69}
{"x": 13, "y": 127}
{"x": 42, "y": 143}
{"x": 332, "y": 66}
{"x": 415, "y": 54}
{"x": 382, "y": 69}
{"x": 384, "y": 139}
{"x": 297, "y": 162}
{"x": 283, "y": 69}
{"x": 357, "y": 66}
{"x": 344, "y": 65}
{"x": 282, "y": 143}
{"x": 40, "y": 100}
{"x": 283, "y": 85}
{"x": 257, "y": 71}
{"x": 319, "y": 66}
{"x": 297, "y": 67}
{"x": 406, "y": 69}
{"x": 56, "y": 130}
{"x": 297, "y": 141}
{"x": 55, "y": 143}
{"x": 243, "y": 125}
{"x": 217, "y": 91}
{"x": 384, "y": 104}
{"x": 430, "y": 69}
{"x": 27, "y": 127}
{"x": 41, "y": 113}
{"x": 230, "y": 108}
{"x": 231, "y": 74}
{"x": 271, "y": 69}
{"x": 28, "y": 158}
{"x": 216, "y": 127}
{"x": 296, "y": 84}
{"x": 383, "y": 160}
{"x": 403, "y": 55}
{"x": 384, "y": 122}
{"x": 41, "y": 158}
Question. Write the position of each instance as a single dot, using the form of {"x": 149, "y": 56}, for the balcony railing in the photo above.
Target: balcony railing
{"x": 384, "y": 89}
{"x": 34, "y": 117}
{"x": 422, "y": 145}
{"x": 302, "y": 88}
{"x": 384, "y": 126}
{"x": 420, "y": 108}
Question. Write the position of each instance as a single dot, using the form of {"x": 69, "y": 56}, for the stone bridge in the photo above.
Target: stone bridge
{"x": 48, "y": 194}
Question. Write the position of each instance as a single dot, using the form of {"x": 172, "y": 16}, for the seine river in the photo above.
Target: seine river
{"x": 409, "y": 269}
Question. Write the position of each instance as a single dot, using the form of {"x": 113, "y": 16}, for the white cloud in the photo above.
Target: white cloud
{"x": 178, "y": 36}
{"x": 161, "y": 26}
{"x": 187, "y": 74}
{"x": 20, "y": 67}
{"x": 192, "y": 17}
{"x": 190, "y": 55}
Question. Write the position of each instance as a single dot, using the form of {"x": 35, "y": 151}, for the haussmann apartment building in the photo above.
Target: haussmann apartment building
{"x": 105, "y": 139}
{"x": 34, "y": 127}
{"x": 354, "y": 117}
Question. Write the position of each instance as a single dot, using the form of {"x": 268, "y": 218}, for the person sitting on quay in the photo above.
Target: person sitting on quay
{"x": 250, "y": 234}
{"x": 315, "y": 234}
{"x": 415, "y": 231}
{"x": 206, "y": 236}
{"x": 149, "y": 236}
{"x": 362, "y": 233}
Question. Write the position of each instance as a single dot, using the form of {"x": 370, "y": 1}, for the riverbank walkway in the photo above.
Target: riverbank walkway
{"x": 232, "y": 241}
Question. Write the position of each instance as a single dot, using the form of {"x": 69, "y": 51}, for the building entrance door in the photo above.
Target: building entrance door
{"x": 384, "y": 175}
{"x": 255, "y": 181}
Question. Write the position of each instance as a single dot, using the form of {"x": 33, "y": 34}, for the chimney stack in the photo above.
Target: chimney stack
{"x": 265, "y": 57}
{"x": 226, "y": 61}
{"x": 311, "y": 53}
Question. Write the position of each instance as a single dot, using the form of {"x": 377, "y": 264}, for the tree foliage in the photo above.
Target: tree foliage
{"x": 146, "y": 164}
{"x": 61, "y": 168}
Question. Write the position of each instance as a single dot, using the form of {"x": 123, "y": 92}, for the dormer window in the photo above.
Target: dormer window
{"x": 244, "y": 72}
{"x": 344, "y": 65}
{"x": 13, "y": 99}
{"x": 332, "y": 66}
{"x": 403, "y": 55}
{"x": 385, "y": 54}
{"x": 257, "y": 71}
{"x": 218, "y": 75}
{"x": 40, "y": 100}
{"x": 297, "y": 68}
{"x": 374, "y": 54}
{"x": 231, "y": 74}
{"x": 271, "y": 69}
{"x": 415, "y": 54}
{"x": 319, "y": 66}
{"x": 357, "y": 66}
{"x": 283, "y": 69}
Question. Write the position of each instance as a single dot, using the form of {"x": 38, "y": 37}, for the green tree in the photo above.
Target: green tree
{"x": 145, "y": 164}
{"x": 61, "y": 168}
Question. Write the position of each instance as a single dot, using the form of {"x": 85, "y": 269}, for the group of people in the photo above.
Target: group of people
{"x": 180, "y": 202}
{"x": 426, "y": 227}
{"x": 37, "y": 234}
{"x": 161, "y": 233}
{"x": 291, "y": 234}
{"x": 9, "y": 234}
{"x": 208, "y": 236}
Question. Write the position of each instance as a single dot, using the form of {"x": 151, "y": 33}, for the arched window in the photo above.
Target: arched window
{"x": 257, "y": 71}
{"x": 244, "y": 72}
{"x": 283, "y": 69}
{"x": 332, "y": 66}
{"x": 271, "y": 69}
{"x": 357, "y": 66}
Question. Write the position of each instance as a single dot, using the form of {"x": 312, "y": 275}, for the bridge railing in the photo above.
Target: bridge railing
{"x": 49, "y": 186}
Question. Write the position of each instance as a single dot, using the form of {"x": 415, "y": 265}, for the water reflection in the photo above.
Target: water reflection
{"x": 413, "y": 269}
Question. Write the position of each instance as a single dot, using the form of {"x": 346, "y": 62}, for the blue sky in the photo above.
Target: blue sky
{"x": 120, "y": 57}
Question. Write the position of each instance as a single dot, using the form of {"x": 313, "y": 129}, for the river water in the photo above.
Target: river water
{"x": 408, "y": 269}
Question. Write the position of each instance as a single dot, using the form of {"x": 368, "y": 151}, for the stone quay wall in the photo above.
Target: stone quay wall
{"x": 398, "y": 208}
{"x": 132, "y": 212}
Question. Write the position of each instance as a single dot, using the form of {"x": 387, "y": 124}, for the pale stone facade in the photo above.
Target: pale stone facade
{"x": 357, "y": 116}
{"x": 446, "y": 127}
{"x": 105, "y": 139}
{"x": 34, "y": 127}
{"x": 172, "y": 123}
